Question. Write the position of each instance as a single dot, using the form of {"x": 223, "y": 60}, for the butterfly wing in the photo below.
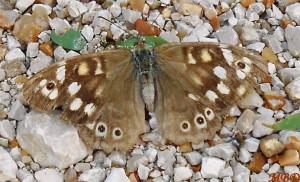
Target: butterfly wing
{"x": 207, "y": 80}
{"x": 98, "y": 93}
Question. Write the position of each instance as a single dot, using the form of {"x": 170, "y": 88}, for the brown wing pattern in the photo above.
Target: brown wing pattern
{"x": 83, "y": 87}
{"x": 203, "y": 78}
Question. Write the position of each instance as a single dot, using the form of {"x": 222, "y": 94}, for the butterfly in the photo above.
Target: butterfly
{"x": 188, "y": 86}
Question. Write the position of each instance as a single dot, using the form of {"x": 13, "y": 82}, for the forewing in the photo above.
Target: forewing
{"x": 98, "y": 93}
{"x": 215, "y": 74}
{"x": 196, "y": 85}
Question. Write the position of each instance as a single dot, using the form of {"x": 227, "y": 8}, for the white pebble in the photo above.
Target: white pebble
{"x": 117, "y": 174}
{"x": 182, "y": 173}
{"x": 211, "y": 167}
{"x": 49, "y": 175}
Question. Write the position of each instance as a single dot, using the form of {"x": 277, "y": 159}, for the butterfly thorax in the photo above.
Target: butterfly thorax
{"x": 144, "y": 61}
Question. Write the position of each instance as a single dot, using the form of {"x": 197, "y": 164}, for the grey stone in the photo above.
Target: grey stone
{"x": 17, "y": 111}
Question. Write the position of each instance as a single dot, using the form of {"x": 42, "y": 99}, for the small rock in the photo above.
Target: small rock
{"x": 82, "y": 167}
{"x": 288, "y": 74}
{"x": 134, "y": 161}
{"x": 250, "y": 35}
{"x": 182, "y": 173}
{"x": 143, "y": 172}
{"x": 185, "y": 8}
{"x": 259, "y": 129}
{"x": 94, "y": 175}
{"x": 224, "y": 151}
{"x": 293, "y": 41}
{"x": 115, "y": 9}
{"x": 8, "y": 167}
{"x": 12, "y": 42}
{"x": 292, "y": 170}
{"x": 87, "y": 32}
{"x": 226, "y": 172}
{"x": 292, "y": 143}
{"x": 257, "y": 163}
{"x": 117, "y": 174}
{"x": 260, "y": 177}
{"x": 293, "y": 12}
{"x": 251, "y": 100}
{"x": 293, "y": 89}
{"x": 101, "y": 22}
{"x": 24, "y": 175}
{"x": 117, "y": 158}
{"x": 8, "y": 18}
{"x": 289, "y": 158}
{"x": 40, "y": 62}
{"x": 252, "y": 144}
{"x": 13, "y": 69}
{"x": 151, "y": 154}
{"x": 32, "y": 49}
{"x": 165, "y": 160}
{"x": 17, "y": 111}
{"x": 227, "y": 35}
{"x": 70, "y": 174}
{"x": 7, "y": 129}
{"x": 27, "y": 28}
{"x": 22, "y": 5}
{"x": 76, "y": 8}
{"x": 245, "y": 121}
{"x": 194, "y": 158}
{"x": 49, "y": 175}
{"x": 15, "y": 54}
{"x": 55, "y": 143}
{"x": 275, "y": 168}
{"x": 271, "y": 146}
{"x": 244, "y": 155}
{"x": 59, "y": 25}
{"x": 240, "y": 173}
{"x": 130, "y": 15}
{"x": 211, "y": 167}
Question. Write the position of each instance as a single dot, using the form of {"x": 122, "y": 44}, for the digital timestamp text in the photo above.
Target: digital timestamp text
{"x": 284, "y": 177}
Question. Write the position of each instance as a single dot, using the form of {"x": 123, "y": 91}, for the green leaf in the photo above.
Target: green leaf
{"x": 154, "y": 41}
{"x": 290, "y": 123}
{"x": 71, "y": 39}
{"x": 150, "y": 41}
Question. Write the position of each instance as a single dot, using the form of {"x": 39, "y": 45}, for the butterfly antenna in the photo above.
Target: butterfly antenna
{"x": 116, "y": 25}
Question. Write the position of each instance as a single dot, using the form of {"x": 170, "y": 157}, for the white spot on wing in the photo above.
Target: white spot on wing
{"x": 191, "y": 59}
{"x": 209, "y": 114}
{"x": 240, "y": 74}
{"x": 220, "y": 72}
{"x": 73, "y": 88}
{"x": 45, "y": 91}
{"x": 76, "y": 104}
{"x": 193, "y": 97}
{"x": 89, "y": 109}
{"x": 53, "y": 95}
{"x": 61, "y": 73}
{"x": 223, "y": 88}
{"x": 241, "y": 90}
{"x": 247, "y": 60}
{"x": 43, "y": 83}
{"x": 83, "y": 69}
{"x": 205, "y": 55}
{"x": 90, "y": 125}
{"x": 98, "y": 70}
{"x": 211, "y": 95}
{"x": 228, "y": 56}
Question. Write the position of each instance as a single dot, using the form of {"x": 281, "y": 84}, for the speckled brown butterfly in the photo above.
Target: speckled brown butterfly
{"x": 189, "y": 87}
